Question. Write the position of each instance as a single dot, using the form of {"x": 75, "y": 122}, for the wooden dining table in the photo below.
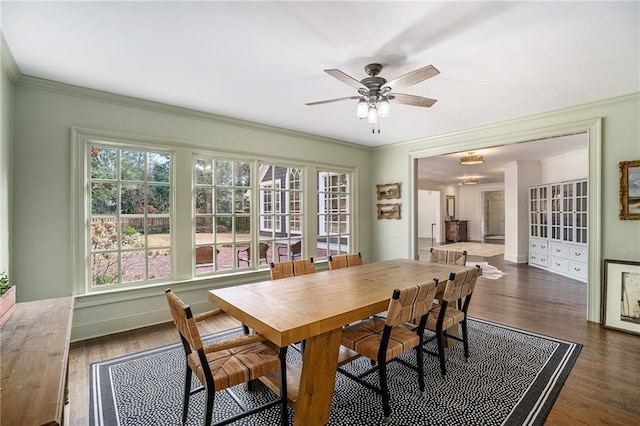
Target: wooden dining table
{"x": 314, "y": 308}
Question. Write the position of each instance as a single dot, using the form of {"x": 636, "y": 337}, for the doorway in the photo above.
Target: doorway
{"x": 493, "y": 216}
{"x": 428, "y": 219}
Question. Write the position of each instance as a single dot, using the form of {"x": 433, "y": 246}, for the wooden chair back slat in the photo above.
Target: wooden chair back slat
{"x": 412, "y": 303}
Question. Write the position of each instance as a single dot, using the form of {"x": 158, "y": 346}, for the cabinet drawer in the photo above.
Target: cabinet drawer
{"x": 538, "y": 259}
{"x": 559, "y": 250}
{"x": 538, "y": 246}
{"x": 558, "y": 264}
{"x": 578, "y": 270}
{"x": 578, "y": 253}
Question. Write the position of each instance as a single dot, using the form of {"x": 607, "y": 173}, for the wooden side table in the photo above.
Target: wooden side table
{"x": 35, "y": 354}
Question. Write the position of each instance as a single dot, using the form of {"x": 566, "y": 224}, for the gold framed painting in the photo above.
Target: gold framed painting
{"x": 621, "y": 296}
{"x": 630, "y": 190}
{"x": 388, "y": 211}
{"x": 388, "y": 191}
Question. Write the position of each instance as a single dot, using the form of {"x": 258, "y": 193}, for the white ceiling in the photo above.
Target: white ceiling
{"x": 446, "y": 169}
{"x": 263, "y": 61}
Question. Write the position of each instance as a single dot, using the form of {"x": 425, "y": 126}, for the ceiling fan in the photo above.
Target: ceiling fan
{"x": 375, "y": 92}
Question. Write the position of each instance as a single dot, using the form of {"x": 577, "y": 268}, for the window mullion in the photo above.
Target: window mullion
{"x": 183, "y": 239}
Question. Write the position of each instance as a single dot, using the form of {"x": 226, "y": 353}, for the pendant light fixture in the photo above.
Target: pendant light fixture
{"x": 470, "y": 181}
{"x": 472, "y": 158}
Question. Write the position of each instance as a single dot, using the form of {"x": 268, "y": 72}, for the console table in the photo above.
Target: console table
{"x": 455, "y": 230}
{"x": 35, "y": 353}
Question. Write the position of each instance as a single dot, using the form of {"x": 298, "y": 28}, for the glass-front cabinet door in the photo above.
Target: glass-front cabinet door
{"x": 568, "y": 211}
{"x": 538, "y": 211}
{"x": 556, "y": 212}
{"x": 581, "y": 206}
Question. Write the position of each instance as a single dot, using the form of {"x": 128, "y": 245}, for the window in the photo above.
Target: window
{"x": 222, "y": 213}
{"x": 334, "y": 214}
{"x": 130, "y": 216}
{"x": 281, "y": 220}
{"x": 150, "y": 212}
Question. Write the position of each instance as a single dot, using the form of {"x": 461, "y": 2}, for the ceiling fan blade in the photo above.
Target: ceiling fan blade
{"x": 328, "y": 101}
{"x": 413, "y": 77}
{"x": 413, "y": 100}
{"x": 345, "y": 78}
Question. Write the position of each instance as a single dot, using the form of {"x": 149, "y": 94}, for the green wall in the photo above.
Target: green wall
{"x": 7, "y": 71}
{"x": 45, "y": 114}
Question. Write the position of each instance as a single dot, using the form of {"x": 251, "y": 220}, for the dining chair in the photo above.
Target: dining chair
{"x": 451, "y": 311}
{"x": 344, "y": 260}
{"x": 337, "y": 262}
{"x": 244, "y": 254}
{"x": 226, "y": 363}
{"x": 303, "y": 267}
{"x": 354, "y": 259}
{"x": 290, "y": 252}
{"x": 448, "y": 256}
{"x": 437, "y": 256}
{"x": 384, "y": 340}
{"x": 457, "y": 257}
{"x": 281, "y": 270}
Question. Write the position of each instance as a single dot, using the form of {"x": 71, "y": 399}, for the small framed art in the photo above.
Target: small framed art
{"x": 388, "y": 191}
{"x": 630, "y": 190}
{"x": 388, "y": 211}
{"x": 621, "y": 296}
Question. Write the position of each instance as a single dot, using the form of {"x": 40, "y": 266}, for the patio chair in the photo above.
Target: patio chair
{"x": 244, "y": 255}
{"x": 204, "y": 255}
{"x": 291, "y": 252}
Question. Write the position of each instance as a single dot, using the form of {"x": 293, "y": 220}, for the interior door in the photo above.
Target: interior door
{"x": 493, "y": 211}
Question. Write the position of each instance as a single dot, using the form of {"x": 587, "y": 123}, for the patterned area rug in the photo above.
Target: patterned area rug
{"x": 474, "y": 249}
{"x": 513, "y": 377}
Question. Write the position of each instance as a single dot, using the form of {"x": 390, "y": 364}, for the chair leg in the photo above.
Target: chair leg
{"x": 384, "y": 389}
{"x": 440, "y": 340}
{"x": 420, "y": 361}
{"x": 208, "y": 414}
{"x": 187, "y": 393}
{"x": 465, "y": 341}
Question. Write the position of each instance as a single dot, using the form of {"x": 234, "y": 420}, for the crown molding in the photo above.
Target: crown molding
{"x": 159, "y": 107}
{"x": 8, "y": 62}
{"x": 462, "y": 135}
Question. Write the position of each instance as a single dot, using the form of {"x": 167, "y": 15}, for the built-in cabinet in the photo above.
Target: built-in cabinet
{"x": 558, "y": 228}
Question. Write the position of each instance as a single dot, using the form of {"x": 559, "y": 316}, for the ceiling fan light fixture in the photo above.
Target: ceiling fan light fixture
{"x": 363, "y": 108}
{"x": 470, "y": 181}
{"x": 472, "y": 158}
{"x": 383, "y": 107}
{"x": 372, "y": 116}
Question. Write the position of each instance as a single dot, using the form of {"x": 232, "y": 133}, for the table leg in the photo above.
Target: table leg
{"x": 317, "y": 379}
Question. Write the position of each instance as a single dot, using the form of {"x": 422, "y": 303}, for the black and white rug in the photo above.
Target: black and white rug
{"x": 513, "y": 377}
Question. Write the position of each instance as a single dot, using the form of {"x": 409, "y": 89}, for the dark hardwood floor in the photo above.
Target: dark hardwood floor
{"x": 603, "y": 387}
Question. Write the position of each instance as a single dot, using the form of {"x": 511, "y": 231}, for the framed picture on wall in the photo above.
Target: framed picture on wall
{"x": 388, "y": 191}
{"x": 630, "y": 190}
{"x": 388, "y": 211}
{"x": 621, "y": 296}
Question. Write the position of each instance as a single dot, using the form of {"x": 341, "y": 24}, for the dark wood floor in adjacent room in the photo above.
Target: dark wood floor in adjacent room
{"x": 603, "y": 387}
